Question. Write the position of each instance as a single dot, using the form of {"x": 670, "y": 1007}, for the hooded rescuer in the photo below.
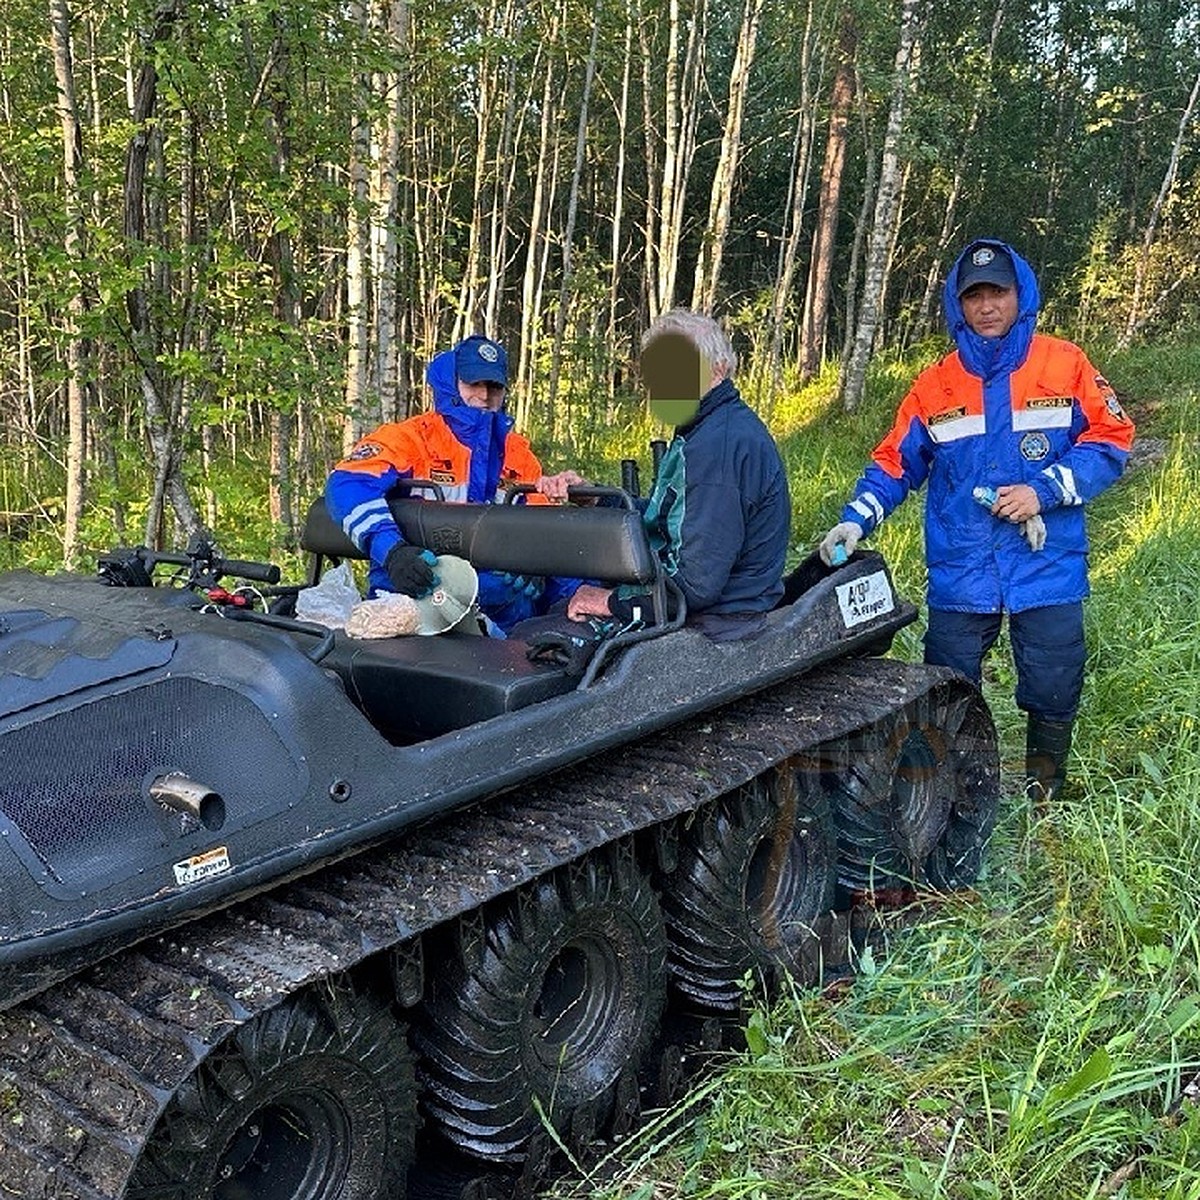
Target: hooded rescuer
{"x": 1014, "y": 432}
{"x": 467, "y": 445}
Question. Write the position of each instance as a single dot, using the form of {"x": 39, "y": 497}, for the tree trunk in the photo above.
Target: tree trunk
{"x": 613, "y": 337}
{"x": 539, "y": 207}
{"x": 712, "y": 245}
{"x": 287, "y": 297}
{"x": 1142, "y": 267}
{"x": 391, "y": 24}
{"x": 140, "y": 219}
{"x": 568, "y": 237}
{"x": 946, "y": 233}
{"x": 890, "y": 171}
{"x": 77, "y": 352}
{"x": 362, "y": 407}
{"x": 820, "y": 267}
{"x": 680, "y": 114}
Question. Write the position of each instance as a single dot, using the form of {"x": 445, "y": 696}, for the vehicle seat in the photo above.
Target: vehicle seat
{"x": 413, "y": 688}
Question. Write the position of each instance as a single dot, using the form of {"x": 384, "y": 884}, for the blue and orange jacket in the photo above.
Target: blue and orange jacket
{"x": 472, "y": 453}
{"x": 1024, "y": 408}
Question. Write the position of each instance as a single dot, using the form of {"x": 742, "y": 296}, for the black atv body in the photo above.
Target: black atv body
{"x": 171, "y": 763}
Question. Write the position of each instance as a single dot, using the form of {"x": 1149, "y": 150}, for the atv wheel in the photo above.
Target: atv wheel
{"x": 974, "y": 770}
{"x": 313, "y": 1100}
{"x": 911, "y": 807}
{"x": 755, "y": 872}
{"x": 550, "y": 997}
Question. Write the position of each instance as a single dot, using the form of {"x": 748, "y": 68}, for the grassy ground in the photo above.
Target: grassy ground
{"x": 1032, "y": 1040}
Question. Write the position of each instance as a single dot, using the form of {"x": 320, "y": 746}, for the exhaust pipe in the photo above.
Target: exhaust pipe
{"x": 181, "y": 794}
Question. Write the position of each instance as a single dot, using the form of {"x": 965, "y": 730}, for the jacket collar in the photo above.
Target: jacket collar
{"x": 717, "y": 395}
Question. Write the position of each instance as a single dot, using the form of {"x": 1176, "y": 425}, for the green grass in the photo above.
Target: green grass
{"x": 1030, "y": 1041}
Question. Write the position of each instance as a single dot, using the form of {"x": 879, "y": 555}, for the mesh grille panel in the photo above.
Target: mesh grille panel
{"x": 74, "y": 784}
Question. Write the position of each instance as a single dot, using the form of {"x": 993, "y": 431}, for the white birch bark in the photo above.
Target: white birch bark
{"x": 1142, "y": 268}
{"x": 72, "y": 141}
{"x": 568, "y": 236}
{"x": 890, "y": 172}
{"x": 797, "y": 199}
{"x": 712, "y": 246}
{"x": 362, "y": 411}
{"x": 983, "y": 86}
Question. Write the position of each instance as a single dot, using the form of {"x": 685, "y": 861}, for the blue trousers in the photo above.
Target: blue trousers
{"x": 1048, "y": 652}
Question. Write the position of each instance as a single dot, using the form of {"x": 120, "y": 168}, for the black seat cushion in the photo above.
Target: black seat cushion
{"x": 412, "y": 688}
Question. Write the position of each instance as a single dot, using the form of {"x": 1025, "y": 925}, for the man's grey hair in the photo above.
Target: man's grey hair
{"x": 702, "y": 331}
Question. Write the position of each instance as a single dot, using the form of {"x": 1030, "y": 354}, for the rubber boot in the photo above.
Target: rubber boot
{"x": 1047, "y": 744}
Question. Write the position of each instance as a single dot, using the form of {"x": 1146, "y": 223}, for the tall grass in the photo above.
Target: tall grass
{"x": 1030, "y": 1041}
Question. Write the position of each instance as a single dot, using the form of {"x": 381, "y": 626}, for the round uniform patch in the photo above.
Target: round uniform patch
{"x": 365, "y": 450}
{"x": 488, "y": 352}
{"x": 1114, "y": 407}
{"x": 1035, "y": 446}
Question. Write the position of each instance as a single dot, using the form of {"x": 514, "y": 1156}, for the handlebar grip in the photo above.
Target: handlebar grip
{"x": 152, "y": 557}
{"x": 256, "y": 571}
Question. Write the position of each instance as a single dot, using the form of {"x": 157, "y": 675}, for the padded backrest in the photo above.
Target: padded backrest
{"x": 539, "y": 539}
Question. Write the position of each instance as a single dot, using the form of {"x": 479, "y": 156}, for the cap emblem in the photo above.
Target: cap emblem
{"x": 982, "y": 256}
{"x": 488, "y": 352}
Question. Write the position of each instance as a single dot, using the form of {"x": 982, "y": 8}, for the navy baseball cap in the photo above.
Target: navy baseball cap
{"x": 478, "y": 359}
{"x": 985, "y": 263}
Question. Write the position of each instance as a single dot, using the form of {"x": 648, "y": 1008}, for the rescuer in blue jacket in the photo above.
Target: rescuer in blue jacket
{"x": 1014, "y": 432}
{"x": 719, "y": 513}
{"x": 467, "y": 445}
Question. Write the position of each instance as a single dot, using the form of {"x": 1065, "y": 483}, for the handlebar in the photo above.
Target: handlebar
{"x": 132, "y": 566}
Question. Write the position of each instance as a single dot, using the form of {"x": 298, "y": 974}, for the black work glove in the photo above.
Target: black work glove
{"x": 410, "y": 569}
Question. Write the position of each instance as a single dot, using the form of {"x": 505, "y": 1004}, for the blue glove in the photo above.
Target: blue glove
{"x": 530, "y": 586}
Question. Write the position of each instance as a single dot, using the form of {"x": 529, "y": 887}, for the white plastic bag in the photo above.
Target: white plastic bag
{"x": 330, "y": 601}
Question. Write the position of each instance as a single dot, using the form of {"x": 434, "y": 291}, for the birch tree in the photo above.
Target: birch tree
{"x": 76, "y": 347}
{"x": 568, "y": 236}
{"x": 362, "y": 409}
{"x": 904, "y": 78}
{"x": 979, "y": 94}
{"x": 144, "y": 229}
{"x": 680, "y": 115}
{"x": 712, "y": 245}
{"x": 1142, "y": 266}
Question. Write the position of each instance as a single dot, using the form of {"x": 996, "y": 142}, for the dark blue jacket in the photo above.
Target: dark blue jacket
{"x": 719, "y": 514}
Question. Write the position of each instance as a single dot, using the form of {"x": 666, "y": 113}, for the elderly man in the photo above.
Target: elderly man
{"x": 719, "y": 514}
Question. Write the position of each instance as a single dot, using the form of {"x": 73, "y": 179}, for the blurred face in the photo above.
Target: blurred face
{"x": 482, "y": 395}
{"x": 990, "y": 310}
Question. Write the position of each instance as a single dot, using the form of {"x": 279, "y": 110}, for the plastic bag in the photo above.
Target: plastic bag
{"x": 330, "y": 601}
{"x": 390, "y": 615}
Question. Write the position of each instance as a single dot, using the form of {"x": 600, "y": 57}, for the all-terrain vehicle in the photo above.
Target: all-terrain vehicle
{"x": 273, "y": 898}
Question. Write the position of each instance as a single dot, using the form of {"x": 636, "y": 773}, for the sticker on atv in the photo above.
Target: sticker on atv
{"x": 865, "y": 599}
{"x": 202, "y": 866}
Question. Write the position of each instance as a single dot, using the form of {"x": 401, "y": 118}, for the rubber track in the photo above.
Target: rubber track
{"x": 87, "y": 1067}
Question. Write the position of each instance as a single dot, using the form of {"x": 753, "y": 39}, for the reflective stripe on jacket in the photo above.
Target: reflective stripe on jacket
{"x": 470, "y": 452}
{"x": 1020, "y": 409}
